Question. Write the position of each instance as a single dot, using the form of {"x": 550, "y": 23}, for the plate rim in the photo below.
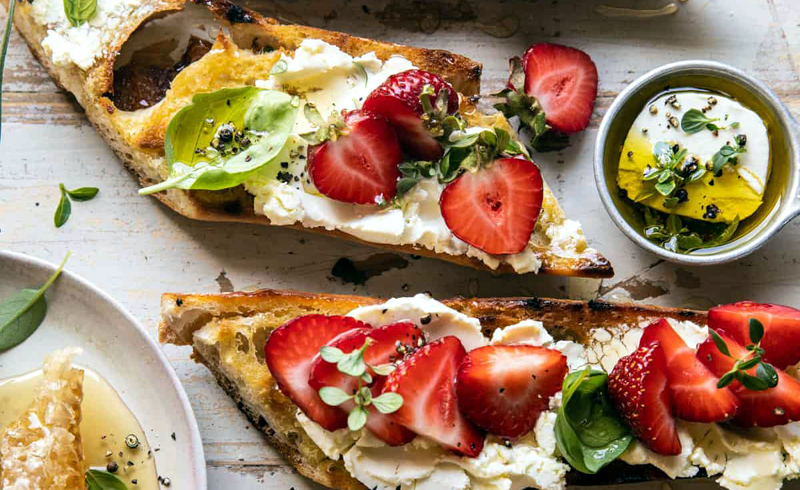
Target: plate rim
{"x": 198, "y": 453}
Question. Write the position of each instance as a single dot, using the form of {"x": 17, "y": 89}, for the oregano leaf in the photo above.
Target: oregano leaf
{"x": 333, "y": 396}
{"x": 388, "y": 402}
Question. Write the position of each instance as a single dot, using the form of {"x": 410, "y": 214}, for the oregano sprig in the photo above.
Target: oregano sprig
{"x": 353, "y": 364}
{"x": 766, "y": 377}
{"x": 694, "y": 121}
{"x": 729, "y": 153}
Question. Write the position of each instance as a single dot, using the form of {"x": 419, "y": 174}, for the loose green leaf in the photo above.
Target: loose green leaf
{"x": 331, "y": 354}
{"x": 756, "y": 330}
{"x": 589, "y": 431}
{"x": 719, "y": 342}
{"x": 357, "y": 418}
{"x": 12, "y": 5}
{"x": 279, "y": 67}
{"x": 766, "y": 373}
{"x": 388, "y": 402}
{"x": 64, "y": 208}
{"x": 103, "y": 480}
{"x": 694, "y": 121}
{"x": 83, "y": 193}
{"x": 23, "y": 312}
{"x": 384, "y": 369}
{"x": 79, "y": 11}
{"x": 266, "y": 118}
{"x": 333, "y": 396}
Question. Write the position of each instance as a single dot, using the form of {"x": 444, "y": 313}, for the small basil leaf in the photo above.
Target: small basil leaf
{"x": 756, "y": 330}
{"x": 388, "y": 402}
{"x": 63, "y": 210}
{"x": 694, "y": 121}
{"x": 766, "y": 373}
{"x": 357, "y": 418}
{"x": 719, "y": 342}
{"x": 79, "y": 11}
{"x": 103, "y": 480}
{"x": 333, "y": 396}
{"x": 195, "y": 127}
{"x": 23, "y": 312}
{"x": 83, "y": 193}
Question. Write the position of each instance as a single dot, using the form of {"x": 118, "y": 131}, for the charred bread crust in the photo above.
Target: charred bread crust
{"x": 184, "y": 314}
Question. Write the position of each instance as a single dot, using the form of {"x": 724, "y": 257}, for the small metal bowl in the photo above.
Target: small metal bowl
{"x": 781, "y": 198}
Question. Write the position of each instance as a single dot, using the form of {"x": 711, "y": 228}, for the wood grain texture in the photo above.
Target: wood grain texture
{"x": 135, "y": 249}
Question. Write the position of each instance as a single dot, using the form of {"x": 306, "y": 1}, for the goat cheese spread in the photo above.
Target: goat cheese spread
{"x": 82, "y": 45}
{"x": 322, "y": 74}
{"x": 754, "y": 458}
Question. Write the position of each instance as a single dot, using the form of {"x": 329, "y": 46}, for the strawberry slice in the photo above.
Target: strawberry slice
{"x": 427, "y": 382}
{"x": 638, "y": 388}
{"x": 397, "y": 99}
{"x": 695, "y": 396}
{"x": 360, "y": 166}
{"x": 564, "y": 81}
{"x": 781, "y": 328}
{"x": 504, "y": 388}
{"x": 383, "y": 350}
{"x": 495, "y": 208}
{"x": 767, "y": 408}
{"x": 290, "y": 352}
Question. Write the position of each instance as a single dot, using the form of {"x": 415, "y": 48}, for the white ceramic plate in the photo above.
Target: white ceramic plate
{"x": 116, "y": 346}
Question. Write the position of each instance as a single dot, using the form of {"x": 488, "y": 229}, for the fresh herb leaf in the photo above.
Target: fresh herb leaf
{"x": 766, "y": 376}
{"x": 589, "y": 431}
{"x": 331, "y": 354}
{"x": 364, "y": 73}
{"x": 79, "y": 11}
{"x": 64, "y": 208}
{"x": 279, "y": 67}
{"x": 357, "y": 418}
{"x": 23, "y": 312}
{"x": 265, "y": 119}
{"x": 694, "y": 121}
{"x": 727, "y": 155}
{"x": 383, "y": 369}
{"x": 333, "y": 396}
{"x": 83, "y": 193}
{"x": 388, "y": 402}
{"x": 103, "y": 480}
{"x": 12, "y": 4}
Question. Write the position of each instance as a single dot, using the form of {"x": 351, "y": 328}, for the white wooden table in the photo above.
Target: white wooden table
{"x": 135, "y": 248}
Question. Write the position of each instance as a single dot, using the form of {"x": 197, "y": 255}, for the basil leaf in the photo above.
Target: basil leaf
{"x": 79, "y": 11}
{"x": 83, "y": 193}
{"x": 589, "y": 432}
{"x": 63, "y": 210}
{"x": 267, "y": 117}
{"x": 23, "y": 312}
{"x": 756, "y": 330}
{"x": 694, "y": 121}
{"x": 103, "y": 480}
{"x": 12, "y": 4}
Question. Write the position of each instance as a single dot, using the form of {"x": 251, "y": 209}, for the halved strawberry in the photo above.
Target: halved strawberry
{"x": 564, "y": 81}
{"x": 767, "y": 408}
{"x": 695, "y": 396}
{"x": 639, "y": 389}
{"x": 781, "y": 328}
{"x": 495, "y": 208}
{"x": 504, "y": 388}
{"x": 384, "y": 349}
{"x": 360, "y": 166}
{"x": 397, "y": 99}
{"x": 427, "y": 382}
{"x": 290, "y": 352}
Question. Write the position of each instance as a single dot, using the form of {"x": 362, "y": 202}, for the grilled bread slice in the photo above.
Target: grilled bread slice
{"x": 228, "y": 332}
{"x": 237, "y": 59}
{"x": 43, "y": 448}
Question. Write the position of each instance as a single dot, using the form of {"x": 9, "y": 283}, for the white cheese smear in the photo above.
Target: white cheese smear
{"x": 333, "y": 80}
{"x": 752, "y": 459}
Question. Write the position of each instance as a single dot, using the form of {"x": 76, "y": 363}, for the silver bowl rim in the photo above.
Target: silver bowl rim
{"x": 787, "y": 209}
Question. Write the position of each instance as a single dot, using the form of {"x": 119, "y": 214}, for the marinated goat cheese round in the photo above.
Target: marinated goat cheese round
{"x": 691, "y": 160}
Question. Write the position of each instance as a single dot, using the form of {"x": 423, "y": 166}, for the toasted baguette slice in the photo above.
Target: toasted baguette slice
{"x": 237, "y": 60}
{"x": 228, "y": 332}
{"x": 43, "y": 448}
